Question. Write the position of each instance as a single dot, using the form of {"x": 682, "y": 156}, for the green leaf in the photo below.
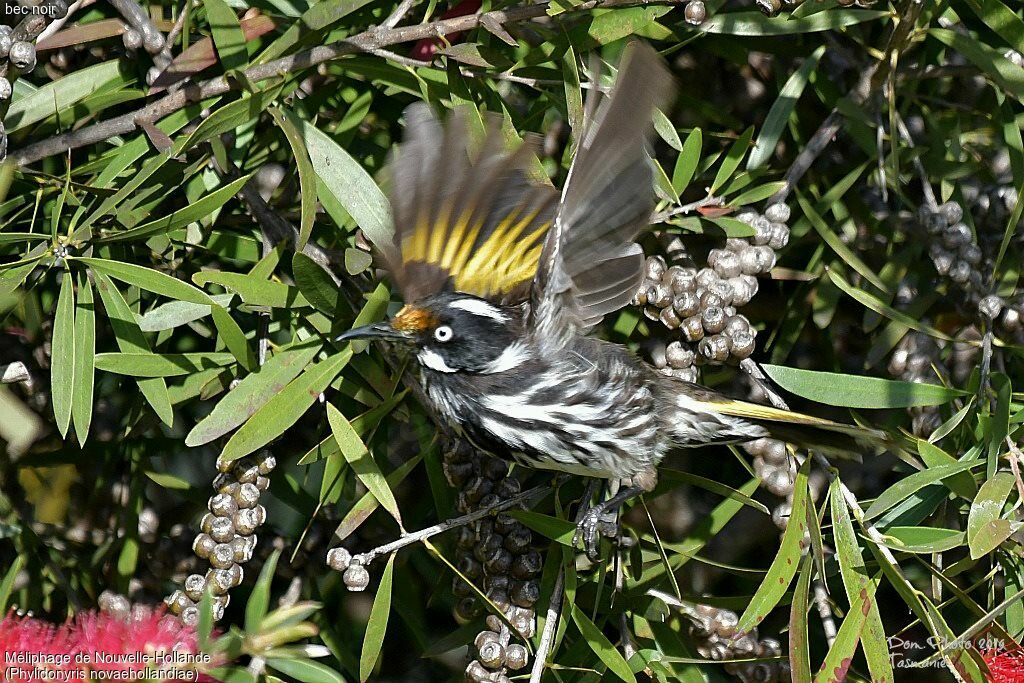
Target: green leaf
{"x": 150, "y": 167}
{"x": 876, "y": 305}
{"x": 195, "y": 211}
{"x": 573, "y": 93}
{"x": 923, "y": 539}
{"x": 778, "y": 115}
{"x": 838, "y": 246}
{"x": 377, "y": 626}
{"x": 362, "y": 462}
{"x": 350, "y": 185}
{"x": 305, "y": 670}
{"x": 231, "y": 116}
{"x": 7, "y": 585}
{"x": 666, "y": 131}
{"x": 855, "y": 578}
{"x": 149, "y": 280}
{"x": 252, "y": 393}
{"x": 307, "y": 176}
{"x": 757, "y": 24}
{"x": 173, "y": 314}
{"x": 320, "y": 15}
{"x": 227, "y": 34}
{"x": 601, "y": 646}
{"x": 285, "y": 407}
{"x": 315, "y": 284}
{"x": 732, "y": 159}
{"x": 852, "y": 391}
{"x": 259, "y": 600}
{"x": 756, "y": 194}
{"x": 62, "y": 359}
{"x": 799, "y": 650}
{"x": 160, "y": 365}
{"x": 56, "y": 97}
{"x": 256, "y": 291}
{"x": 913, "y": 483}
{"x": 986, "y": 529}
{"x": 365, "y": 506}
{"x": 689, "y": 158}
{"x": 131, "y": 340}
{"x": 1005, "y": 73}
{"x": 1001, "y": 19}
{"x": 783, "y": 568}
{"x": 234, "y": 337}
{"x": 85, "y": 352}
{"x": 558, "y": 530}
{"x": 840, "y": 655}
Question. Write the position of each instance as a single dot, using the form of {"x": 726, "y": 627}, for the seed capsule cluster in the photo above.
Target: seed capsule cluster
{"x": 714, "y": 631}
{"x": 498, "y": 556}
{"x": 18, "y": 53}
{"x": 917, "y": 359}
{"x": 228, "y": 536}
{"x": 702, "y": 303}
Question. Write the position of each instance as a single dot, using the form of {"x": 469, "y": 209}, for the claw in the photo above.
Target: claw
{"x": 586, "y": 531}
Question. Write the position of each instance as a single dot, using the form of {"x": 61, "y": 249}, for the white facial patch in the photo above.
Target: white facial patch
{"x": 481, "y": 308}
{"x": 433, "y": 360}
{"x": 511, "y": 357}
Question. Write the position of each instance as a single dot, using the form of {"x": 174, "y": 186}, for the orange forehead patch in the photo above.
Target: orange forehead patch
{"x": 413, "y": 319}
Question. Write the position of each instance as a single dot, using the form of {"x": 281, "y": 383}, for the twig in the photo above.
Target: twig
{"x": 276, "y": 229}
{"x": 399, "y": 59}
{"x": 453, "y": 523}
{"x": 828, "y": 622}
{"x": 58, "y": 24}
{"x": 867, "y": 84}
{"x": 1015, "y": 458}
{"x": 371, "y": 39}
{"x": 926, "y": 186}
{"x": 395, "y": 17}
{"x": 152, "y": 39}
{"x": 547, "y": 637}
{"x": 755, "y": 372}
{"x": 663, "y": 216}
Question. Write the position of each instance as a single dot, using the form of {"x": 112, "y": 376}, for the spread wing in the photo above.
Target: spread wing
{"x": 590, "y": 265}
{"x": 464, "y": 220}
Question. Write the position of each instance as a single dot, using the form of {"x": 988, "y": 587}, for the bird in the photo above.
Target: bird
{"x": 504, "y": 280}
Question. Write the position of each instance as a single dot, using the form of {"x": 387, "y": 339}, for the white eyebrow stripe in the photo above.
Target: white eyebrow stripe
{"x": 481, "y": 308}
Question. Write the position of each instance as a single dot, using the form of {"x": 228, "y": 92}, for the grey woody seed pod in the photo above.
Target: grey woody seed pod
{"x": 695, "y": 12}
{"x": 356, "y": 578}
{"x": 22, "y": 56}
{"x": 132, "y": 39}
{"x": 195, "y": 587}
{"x": 516, "y": 657}
{"x": 339, "y": 559}
{"x": 6, "y": 90}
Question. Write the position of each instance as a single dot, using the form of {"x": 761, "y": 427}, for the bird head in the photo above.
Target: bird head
{"x": 454, "y": 332}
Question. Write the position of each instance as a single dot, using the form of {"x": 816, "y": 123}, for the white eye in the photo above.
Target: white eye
{"x": 443, "y": 333}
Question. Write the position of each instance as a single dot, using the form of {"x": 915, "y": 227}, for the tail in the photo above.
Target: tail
{"x": 804, "y": 431}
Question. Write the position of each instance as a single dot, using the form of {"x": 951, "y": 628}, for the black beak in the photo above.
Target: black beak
{"x": 374, "y": 331}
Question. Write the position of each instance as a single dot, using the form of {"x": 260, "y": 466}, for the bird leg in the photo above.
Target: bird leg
{"x": 593, "y": 520}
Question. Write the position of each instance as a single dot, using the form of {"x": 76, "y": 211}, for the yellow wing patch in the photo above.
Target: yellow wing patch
{"x": 503, "y": 260}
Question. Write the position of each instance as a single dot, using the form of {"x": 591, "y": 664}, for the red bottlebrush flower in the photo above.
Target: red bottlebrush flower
{"x": 1004, "y": 667}
{"x": 148, "y": 639}
{"x": 427, "y": 48}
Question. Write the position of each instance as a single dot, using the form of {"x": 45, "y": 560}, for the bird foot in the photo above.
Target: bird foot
{"x": 596, "y": 522}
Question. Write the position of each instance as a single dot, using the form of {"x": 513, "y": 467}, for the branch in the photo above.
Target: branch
{"x": 868, "y": 84}
{"x": 453, "y": 523}
{"x": 547, "y": 638}
{"x": 367, "y": 41}
{"x": 663, "y": 216}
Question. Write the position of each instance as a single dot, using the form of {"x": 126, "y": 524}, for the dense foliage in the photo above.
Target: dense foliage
{"x": 188, "y": 209}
